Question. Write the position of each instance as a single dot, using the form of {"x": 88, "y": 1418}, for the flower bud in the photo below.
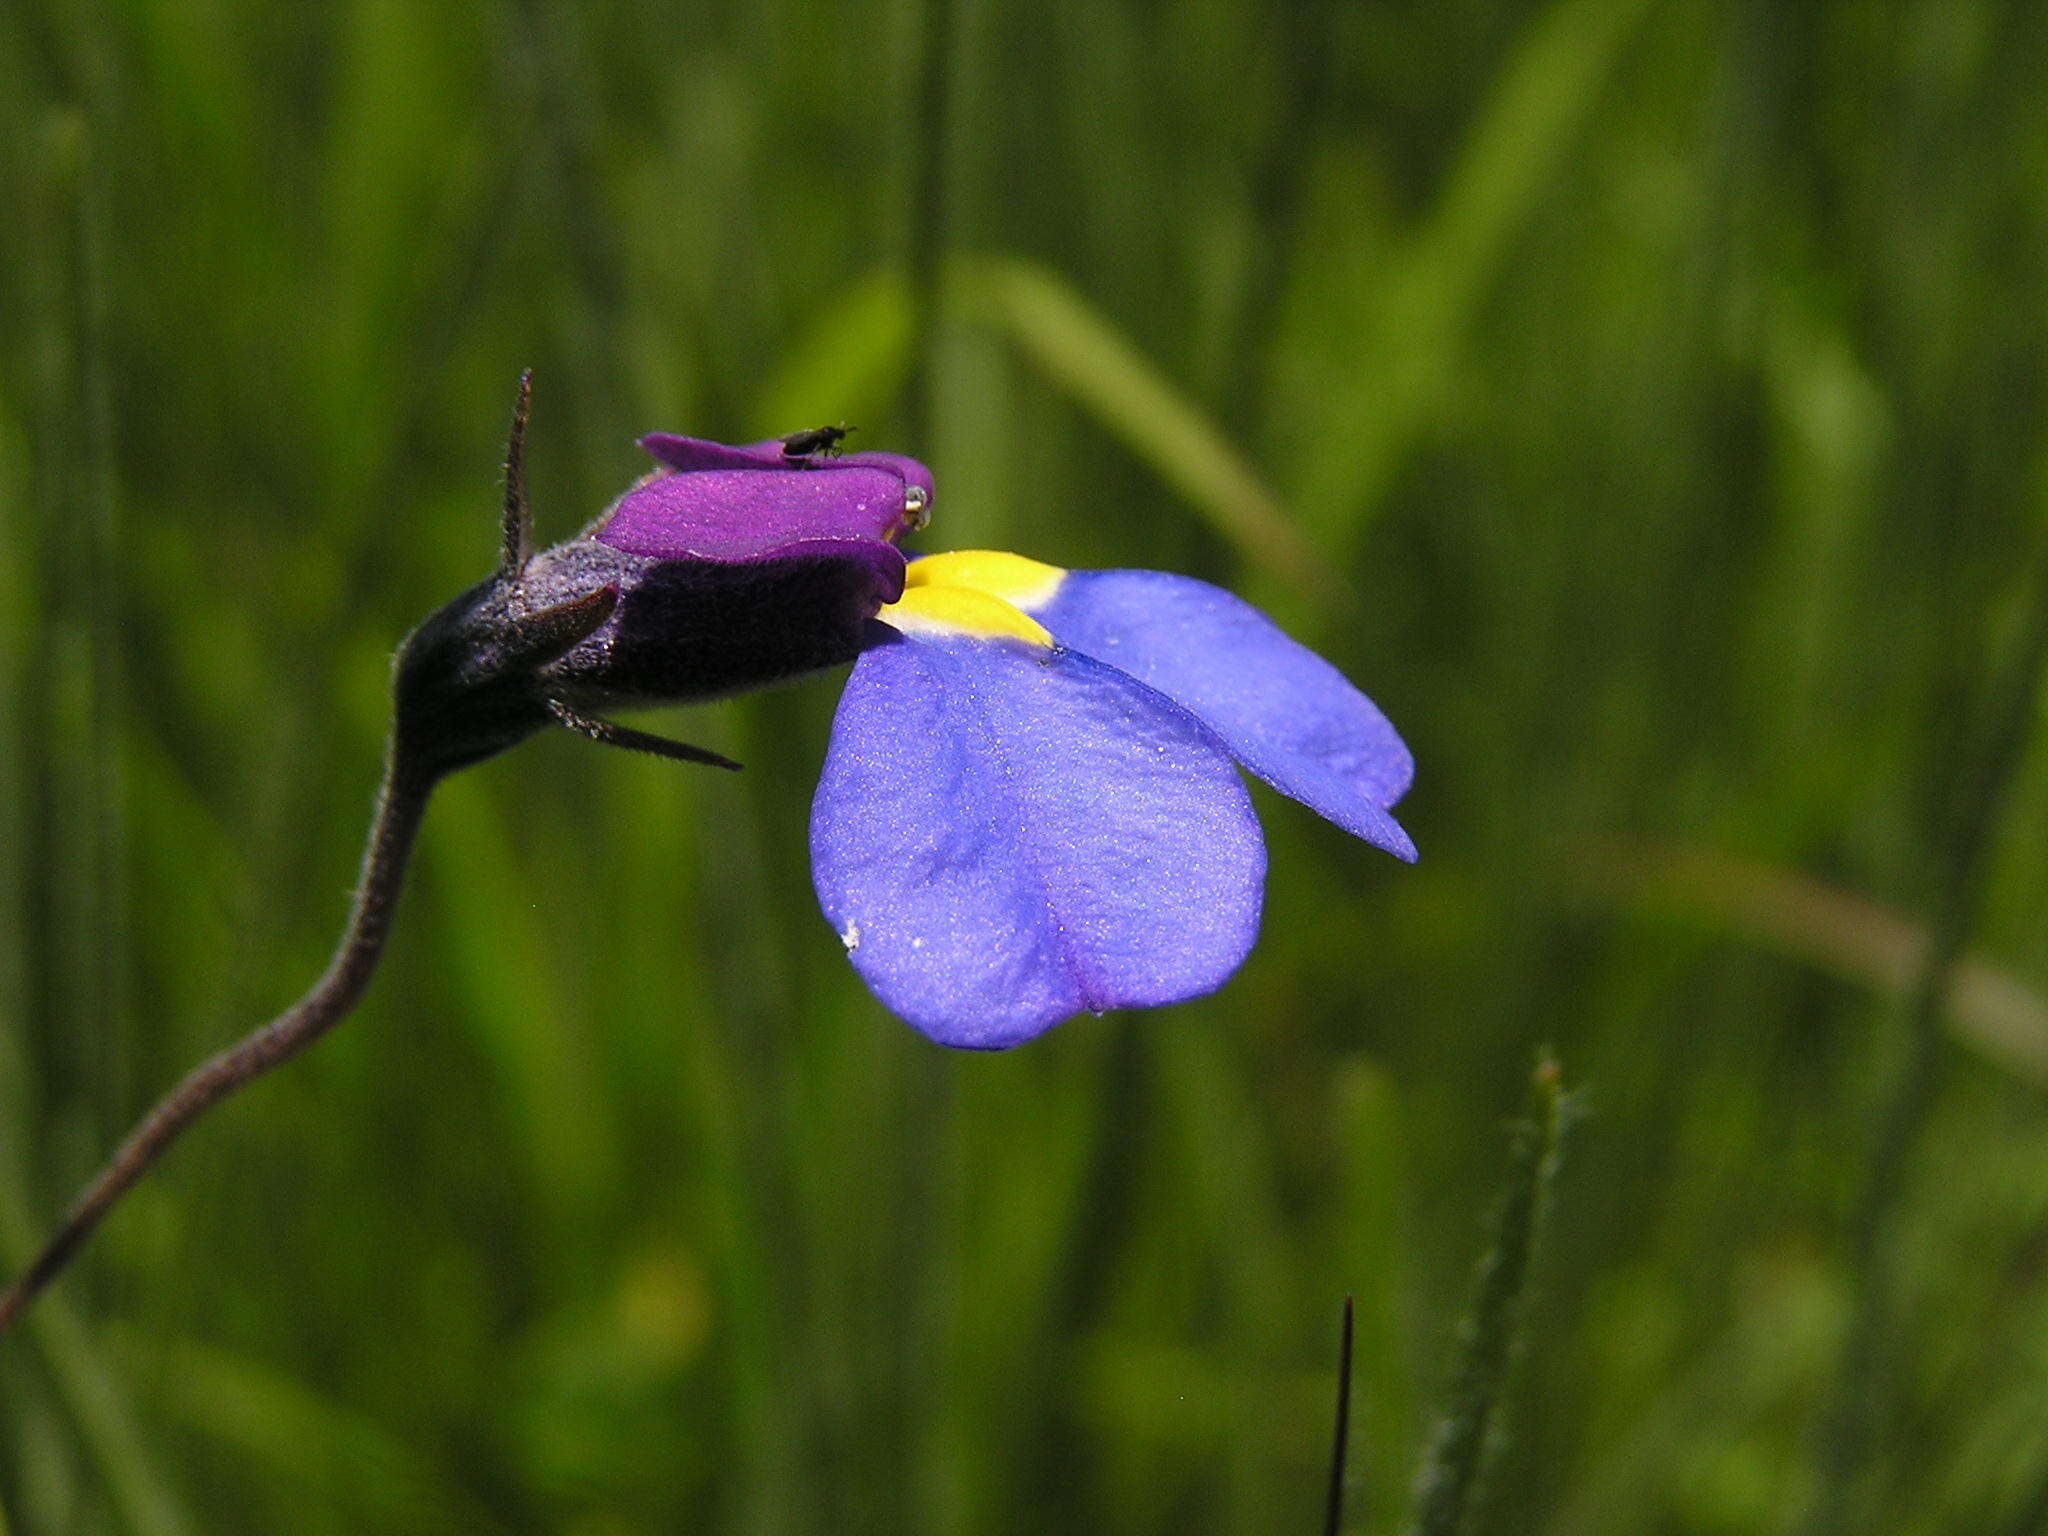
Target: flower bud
{"x": 727, "y": 569}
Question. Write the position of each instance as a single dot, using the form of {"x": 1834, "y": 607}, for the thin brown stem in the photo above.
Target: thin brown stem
{"x": 400, "y": 804}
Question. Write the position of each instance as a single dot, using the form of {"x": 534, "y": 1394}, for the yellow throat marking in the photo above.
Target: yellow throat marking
{"x": 981, "y": 592}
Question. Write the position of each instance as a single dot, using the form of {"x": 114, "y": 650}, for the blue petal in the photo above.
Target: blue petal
{"x": 1006, "y": 835}
{"x": 1288, "y": 715}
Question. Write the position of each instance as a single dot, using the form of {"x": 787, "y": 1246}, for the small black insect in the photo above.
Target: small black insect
{"x": 825, "y": 440}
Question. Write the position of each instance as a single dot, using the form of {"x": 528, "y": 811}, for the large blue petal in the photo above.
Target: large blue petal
{"x": 1005, "y": 835}
{"x": 1288, "y": 715}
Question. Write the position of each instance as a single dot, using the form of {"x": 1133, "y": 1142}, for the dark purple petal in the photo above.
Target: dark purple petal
{"x": 743, "y": 514}
{"x": 695, "y": 629}
{"x": 1006, "y": 835}
{"x": 1288, "y": 715}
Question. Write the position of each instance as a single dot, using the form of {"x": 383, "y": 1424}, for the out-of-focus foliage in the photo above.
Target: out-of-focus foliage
{"x": 1654, "y": 394}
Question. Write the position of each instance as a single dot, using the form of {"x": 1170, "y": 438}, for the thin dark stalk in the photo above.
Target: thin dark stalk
{"x": 1849, "y": 1426}
{"x": 400, "y": 804}
{"x": 1455, "y": 1464}
{"x": 1340, "y": 1448}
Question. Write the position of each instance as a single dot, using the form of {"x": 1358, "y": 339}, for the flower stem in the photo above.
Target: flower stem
{"x": 1850, "y": 1424}
{"x": 400, "y": 804}
{"x": 1454, "y": 1464}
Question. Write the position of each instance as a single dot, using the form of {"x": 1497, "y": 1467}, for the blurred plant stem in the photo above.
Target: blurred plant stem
{"x": 400, "y": 806}
{"x": 100, "y": 1406}
{"x": 1096, "y": 364}
{"x": 1420, "y": 312}
{"x": 1850, "y": 1423}
{"x": 1989, "y": 1009}
{"x": 926, "y": 179}
{"x": 1454, "y": 1466}
{"x": 66, "y": 896}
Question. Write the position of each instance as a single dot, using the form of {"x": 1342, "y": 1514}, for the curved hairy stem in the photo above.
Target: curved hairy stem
{"x": 400, "y": 804}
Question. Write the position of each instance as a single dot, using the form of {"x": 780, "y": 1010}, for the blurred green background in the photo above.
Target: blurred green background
{"x": 1643, "y": 401}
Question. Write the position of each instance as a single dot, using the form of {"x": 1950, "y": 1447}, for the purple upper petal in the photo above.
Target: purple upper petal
{"x": 731, "y": 515}
{"x": 1288, "y": 715}
{"x": 722, "y": 504}
{"x": 689, "y": 454}
{"x": 900, "y": 465}
{"x": 1006, "y": 835}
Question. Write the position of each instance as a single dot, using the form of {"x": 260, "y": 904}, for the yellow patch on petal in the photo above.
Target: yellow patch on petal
{"x": 975, "y": 592}
{"x": 935, "y": 610}
{"x": 1017, "y": 581}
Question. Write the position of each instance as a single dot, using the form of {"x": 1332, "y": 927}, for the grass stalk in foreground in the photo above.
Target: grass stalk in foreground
{"x": 1854, "y": 1415}
{"x": 1333, "y": 1509}
{"x": 1460, "y": 1448}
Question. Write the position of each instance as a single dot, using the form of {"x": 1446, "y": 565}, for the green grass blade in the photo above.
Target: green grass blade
{"x": 848, "y": 364}
{"x": 1448, "y": 1485}
{"x": 1363, "y": 417}
{"x": 1864, "y": 1393}
{"x": 96, "y": 1402}
{"x": 1083, "y": 353}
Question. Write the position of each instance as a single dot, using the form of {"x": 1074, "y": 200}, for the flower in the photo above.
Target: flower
{"x": 1031, "y": 804}
{"x": 735, "y": 568}
{"x": 1031, "y": 807}
{"x": 724, "y": 570}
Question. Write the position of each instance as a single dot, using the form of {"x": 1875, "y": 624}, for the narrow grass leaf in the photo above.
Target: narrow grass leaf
{"x": 849, "y": 364}
{"x": 1990, "y": 1010}
{"x": 98, "y": 1404}
{"x": 1388, "y": 390}
{"x": 1447, "y": 1487}
{"x": 1088, "y": 357}
{"x": 1333, "y": 1508}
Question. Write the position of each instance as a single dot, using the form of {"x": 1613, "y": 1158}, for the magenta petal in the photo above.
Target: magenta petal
{"x": 742, "y": 514}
